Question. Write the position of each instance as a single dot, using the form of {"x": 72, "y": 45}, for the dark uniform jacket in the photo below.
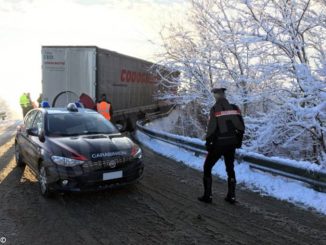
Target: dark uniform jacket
{"x": 226, "y": 126}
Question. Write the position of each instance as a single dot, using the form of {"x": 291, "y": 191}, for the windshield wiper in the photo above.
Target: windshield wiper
{"x": 85, "y": 133}
{"x": 110, "y": 135}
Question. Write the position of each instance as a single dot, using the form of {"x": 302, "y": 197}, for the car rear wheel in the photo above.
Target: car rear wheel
{"x": 18, "y": 157}
{"x": 43, "y": 182}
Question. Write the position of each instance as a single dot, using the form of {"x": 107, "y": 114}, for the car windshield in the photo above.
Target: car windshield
{"x": 73, "y": 124}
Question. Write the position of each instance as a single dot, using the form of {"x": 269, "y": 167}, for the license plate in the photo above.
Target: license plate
{"x": 112, "y": 175}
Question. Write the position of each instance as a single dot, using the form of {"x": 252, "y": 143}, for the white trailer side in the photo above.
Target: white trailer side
{"x": 68, "y": 69}
{"x": 127, "y": 81}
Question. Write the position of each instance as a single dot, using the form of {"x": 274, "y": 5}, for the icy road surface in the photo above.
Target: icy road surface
{"x": 161, "y": 209}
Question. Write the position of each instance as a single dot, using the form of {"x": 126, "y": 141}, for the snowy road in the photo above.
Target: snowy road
{"x": 161, "y": 209}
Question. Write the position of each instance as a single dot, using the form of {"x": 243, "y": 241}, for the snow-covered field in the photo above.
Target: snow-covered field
{"x": 266, "y": 184}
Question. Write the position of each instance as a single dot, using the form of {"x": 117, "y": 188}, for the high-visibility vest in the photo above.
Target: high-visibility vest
{"x": 104, "y": 108}
{"x": 24, "y": 100}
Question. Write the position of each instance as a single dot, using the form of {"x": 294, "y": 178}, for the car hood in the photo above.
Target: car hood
{"x": 92, "y": 147}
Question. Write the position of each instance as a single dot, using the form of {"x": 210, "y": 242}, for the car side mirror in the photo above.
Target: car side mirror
{"x": 119, "y": 127}
{"x": 41, "y": 135}
{"x": 32, "y": 131}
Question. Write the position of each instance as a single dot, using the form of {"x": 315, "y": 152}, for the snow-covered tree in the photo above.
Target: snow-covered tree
{"x": 208, "y": 53}
{"x": 270, "y": 54}
{"x": 296, "y": 30}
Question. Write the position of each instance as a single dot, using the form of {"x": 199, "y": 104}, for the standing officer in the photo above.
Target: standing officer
{"x": 104, "y": 107}
{"x": 224, "y": 134}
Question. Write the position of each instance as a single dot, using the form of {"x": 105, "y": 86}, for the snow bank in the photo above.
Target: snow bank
{"x": 294, "y": 163}
{"x": 264, "y": 183}
{"x": 165, "y": 124}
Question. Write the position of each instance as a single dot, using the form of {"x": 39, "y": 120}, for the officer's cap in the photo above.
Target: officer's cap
{"x": 218, "y": 90}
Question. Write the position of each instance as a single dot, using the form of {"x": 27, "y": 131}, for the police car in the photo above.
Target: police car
{"x": 76, "y": 149}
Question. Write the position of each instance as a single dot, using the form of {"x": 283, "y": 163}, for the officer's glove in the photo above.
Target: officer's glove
{"x": 209, "y": 145}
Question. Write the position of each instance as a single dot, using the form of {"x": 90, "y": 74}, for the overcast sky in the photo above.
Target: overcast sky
{"x": 126, "y": 26}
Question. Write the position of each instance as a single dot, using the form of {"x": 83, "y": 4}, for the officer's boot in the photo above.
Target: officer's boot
{"x": 230, "y": 197}
{"x": 207, "y": 197}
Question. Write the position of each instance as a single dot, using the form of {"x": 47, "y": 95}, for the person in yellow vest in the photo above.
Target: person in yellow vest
{"x": 39, "y": 100}
{"x": 25, "y": 103}
{"x": 104, "y": 107}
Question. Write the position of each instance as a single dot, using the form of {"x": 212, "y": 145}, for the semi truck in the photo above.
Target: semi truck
{"x": 71, "y": 71}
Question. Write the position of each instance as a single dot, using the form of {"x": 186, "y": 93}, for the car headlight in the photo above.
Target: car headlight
{"x": 66, "y": 162}
{"x": 136, "y": 152}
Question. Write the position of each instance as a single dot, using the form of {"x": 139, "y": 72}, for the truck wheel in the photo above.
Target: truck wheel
{"x": 129, "y": 125}
{"x": 123, "y": 124}
{"x": 18, "y": 156}
{"x": 43, "y": 182}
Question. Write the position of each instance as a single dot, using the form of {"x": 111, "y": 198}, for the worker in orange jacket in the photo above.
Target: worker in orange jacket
{"x": 104, "y": 107}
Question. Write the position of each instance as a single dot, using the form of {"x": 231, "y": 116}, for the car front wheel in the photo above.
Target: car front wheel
{"x": 43, "y": 182}
{"x": 18, "y": 156}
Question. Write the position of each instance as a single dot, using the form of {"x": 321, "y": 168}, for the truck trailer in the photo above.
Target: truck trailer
{"x": 130, "y": 86}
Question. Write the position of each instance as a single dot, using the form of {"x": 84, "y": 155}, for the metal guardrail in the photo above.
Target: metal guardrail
{"x": 315, "y": 179}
